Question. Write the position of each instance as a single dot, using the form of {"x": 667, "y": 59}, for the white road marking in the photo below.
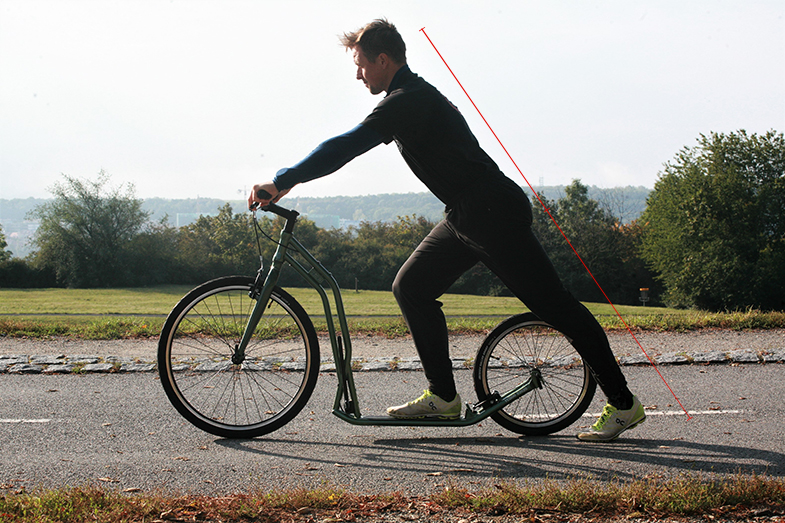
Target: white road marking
{"x": 25, "y": 420}
{"x": 678, "y": 413}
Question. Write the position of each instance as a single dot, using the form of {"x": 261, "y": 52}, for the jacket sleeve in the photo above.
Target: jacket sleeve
{"x": 329, "y": 156}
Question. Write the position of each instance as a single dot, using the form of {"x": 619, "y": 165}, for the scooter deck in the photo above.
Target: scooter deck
{"x": 400, "y": 422}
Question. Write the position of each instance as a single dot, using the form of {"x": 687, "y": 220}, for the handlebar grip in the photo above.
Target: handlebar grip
{"x": 263, "y": 195}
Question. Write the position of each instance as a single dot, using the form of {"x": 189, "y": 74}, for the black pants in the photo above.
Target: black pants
{"x": 495, "y": 229}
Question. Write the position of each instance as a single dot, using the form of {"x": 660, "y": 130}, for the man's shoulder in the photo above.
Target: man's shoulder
{"x": 412, "y": 102}
{"x": 413, "y": 83}
{"x": 411, "y": 91}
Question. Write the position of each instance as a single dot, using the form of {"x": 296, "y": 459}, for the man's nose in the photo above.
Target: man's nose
{"x": 359, "y": 73}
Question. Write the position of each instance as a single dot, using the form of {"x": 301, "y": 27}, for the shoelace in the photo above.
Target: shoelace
{"x": 421, "y": 398}
{"x": 607, "y": 412}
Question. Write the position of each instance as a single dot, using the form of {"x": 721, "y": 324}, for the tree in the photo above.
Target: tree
{"x": 85, "y": 233}
{"x": 156, "y": 257}
{"x": 219, "y": 245}
{"x": 715, "y": 223}
{"x": 16, "y": 272}
{"x": 378, "y": 249}
{"x": 606, "y": 246}
{"x": 4, "y": 254}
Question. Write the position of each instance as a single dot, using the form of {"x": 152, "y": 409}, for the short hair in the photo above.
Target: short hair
{"x": 375, "y": 38}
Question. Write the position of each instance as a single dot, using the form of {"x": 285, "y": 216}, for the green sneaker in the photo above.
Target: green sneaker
{"x": 613, "y": 422}
{"x": 428, "y": 406}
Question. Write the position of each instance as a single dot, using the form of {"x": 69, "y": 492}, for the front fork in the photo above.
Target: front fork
{"x": 261, "y": 290}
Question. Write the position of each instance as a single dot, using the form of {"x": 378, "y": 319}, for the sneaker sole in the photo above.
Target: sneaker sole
{"x": 427, "y": 417}
{"x": 614, "y": 437}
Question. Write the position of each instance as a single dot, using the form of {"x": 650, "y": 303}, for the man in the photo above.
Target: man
{"x": 488, "y": 219}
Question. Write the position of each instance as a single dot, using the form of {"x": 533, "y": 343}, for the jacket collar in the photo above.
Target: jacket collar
{"x": 400, "y": 77}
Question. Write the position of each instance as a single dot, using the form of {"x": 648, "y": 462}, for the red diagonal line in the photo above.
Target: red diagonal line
{"x": 548, "y": 212}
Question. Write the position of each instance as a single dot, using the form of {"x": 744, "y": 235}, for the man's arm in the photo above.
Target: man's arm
{"x": 328, "y": 157}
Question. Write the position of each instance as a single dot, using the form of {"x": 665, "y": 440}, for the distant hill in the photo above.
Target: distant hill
{"x": 626, "y": 203}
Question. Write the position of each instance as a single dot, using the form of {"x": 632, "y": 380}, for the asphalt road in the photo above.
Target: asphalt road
{"x": 119, "y": 430}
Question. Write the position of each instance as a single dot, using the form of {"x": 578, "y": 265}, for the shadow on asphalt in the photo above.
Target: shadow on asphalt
{"x": 554, "y": 457}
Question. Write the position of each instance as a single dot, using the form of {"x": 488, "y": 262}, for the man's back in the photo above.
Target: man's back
{"x": 433, "y": 138}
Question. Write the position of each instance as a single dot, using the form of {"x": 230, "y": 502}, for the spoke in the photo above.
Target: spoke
{"x": 263, "y": 392}
{"x": 218, "y": 403}
{"x": 197, "y": 343}
{"x": 212, "y": 321}
{"x": 238, "y": 395}
{"x": 549, "y": 351}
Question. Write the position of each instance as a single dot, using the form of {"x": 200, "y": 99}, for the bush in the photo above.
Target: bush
{"x": 17, "y": 273}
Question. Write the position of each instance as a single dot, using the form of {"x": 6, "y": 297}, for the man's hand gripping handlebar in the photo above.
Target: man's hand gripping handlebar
{"x": 262, "y": 195}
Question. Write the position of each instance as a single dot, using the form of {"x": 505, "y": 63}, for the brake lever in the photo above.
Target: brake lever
{"x": 262, "y": 195}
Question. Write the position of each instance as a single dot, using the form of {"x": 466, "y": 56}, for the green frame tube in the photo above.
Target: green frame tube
{"x": 317, "y": 277}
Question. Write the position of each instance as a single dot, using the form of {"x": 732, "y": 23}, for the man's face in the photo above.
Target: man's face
{"x": 373, "y": 74}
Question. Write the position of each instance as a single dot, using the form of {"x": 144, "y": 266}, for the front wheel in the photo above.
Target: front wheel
{"x": 221, "y": 393}
{"x": 505, "y": 360}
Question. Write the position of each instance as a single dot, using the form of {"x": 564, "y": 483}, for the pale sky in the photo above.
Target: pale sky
{"x": 187, "y": 98}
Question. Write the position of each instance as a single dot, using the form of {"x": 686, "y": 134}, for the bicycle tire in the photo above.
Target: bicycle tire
{"x": 504, "y": 360}
{"x": 261, "y": 394}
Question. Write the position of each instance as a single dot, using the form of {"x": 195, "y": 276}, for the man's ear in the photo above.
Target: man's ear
{"x": 383, "y": 60}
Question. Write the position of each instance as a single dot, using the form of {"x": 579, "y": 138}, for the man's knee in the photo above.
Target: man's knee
{"x": 401, "y": 287}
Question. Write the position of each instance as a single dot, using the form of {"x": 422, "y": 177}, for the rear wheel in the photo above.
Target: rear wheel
{"x": 240, "y": 399}
{"x": 505, "y": 360}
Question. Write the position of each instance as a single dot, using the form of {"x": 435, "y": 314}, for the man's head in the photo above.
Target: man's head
{"x": 378, "y": 51}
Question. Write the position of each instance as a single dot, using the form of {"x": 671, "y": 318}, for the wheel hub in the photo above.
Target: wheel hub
{"x": 238, "y": 356}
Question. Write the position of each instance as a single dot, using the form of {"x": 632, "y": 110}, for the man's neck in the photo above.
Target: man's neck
{"x": 393, "y": 84}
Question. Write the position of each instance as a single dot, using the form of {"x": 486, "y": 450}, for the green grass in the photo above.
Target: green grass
{"x": 144, "y": 300}
{"x": 160, "y": 300}
{"x": 652, "y": 498}
{"x": 81, "y": 327}
{"x": 140, "y": 312}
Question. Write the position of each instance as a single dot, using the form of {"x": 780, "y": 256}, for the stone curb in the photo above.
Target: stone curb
{"x": 85, "y": 364}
